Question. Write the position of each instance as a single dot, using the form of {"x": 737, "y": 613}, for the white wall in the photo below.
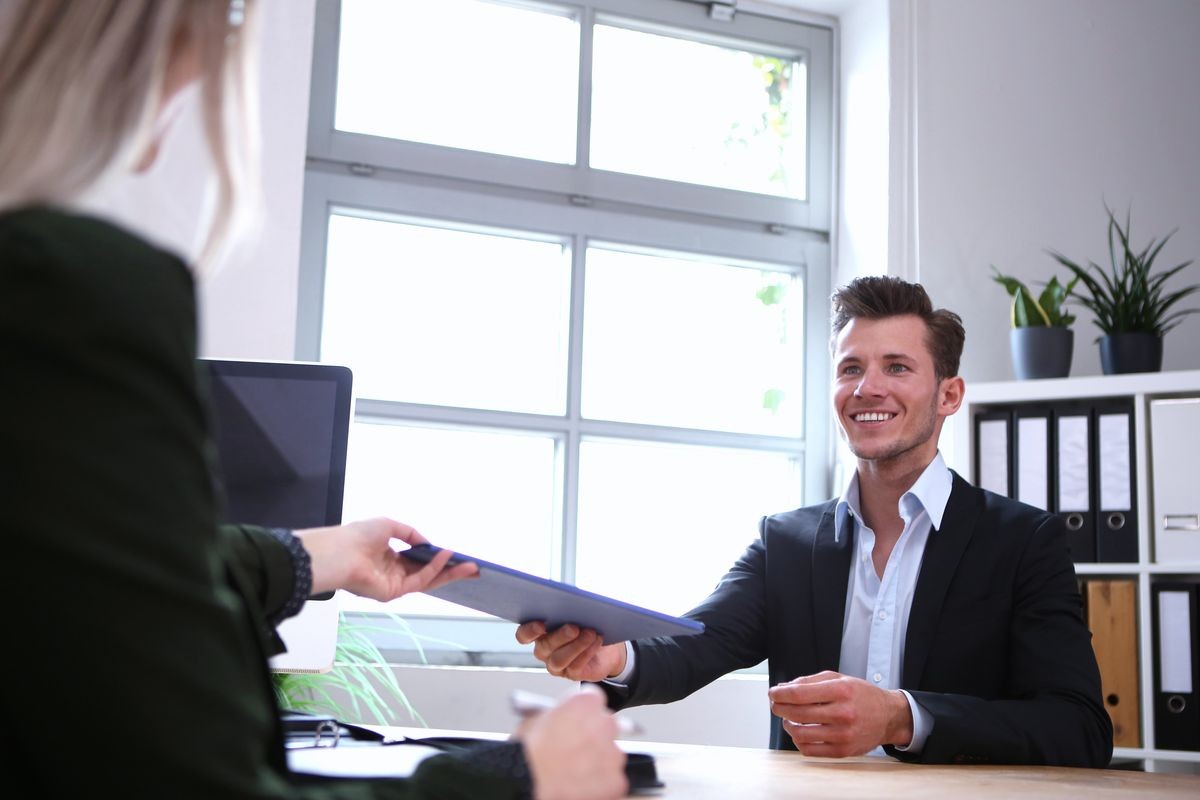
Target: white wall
{"x": 733, "y": 712}
{"x": 1030, "y": 115}
{"x": 248, "y": 309}
{"x": 864, "y": 126}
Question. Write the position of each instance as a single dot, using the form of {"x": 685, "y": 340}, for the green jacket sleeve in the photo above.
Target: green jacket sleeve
{"x": 141, "y": 665}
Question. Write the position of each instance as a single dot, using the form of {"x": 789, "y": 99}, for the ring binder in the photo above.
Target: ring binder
{"x": 1074, "y": 495}
{"x": 1177, "y": 666}
{"x": 1116, "y": 489}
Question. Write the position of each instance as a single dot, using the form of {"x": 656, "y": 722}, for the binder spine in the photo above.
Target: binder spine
{"x": 1177, "y": 665}
{"x": 1114, "y": 481}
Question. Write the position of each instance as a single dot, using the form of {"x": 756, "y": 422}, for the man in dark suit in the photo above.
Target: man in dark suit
{"x": 915, "y": 613}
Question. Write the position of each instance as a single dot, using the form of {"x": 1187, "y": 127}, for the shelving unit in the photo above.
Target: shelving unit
{"x": 1143, "y": 388}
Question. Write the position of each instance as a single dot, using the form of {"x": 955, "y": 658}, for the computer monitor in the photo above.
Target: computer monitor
{"x": 281, "y": 431}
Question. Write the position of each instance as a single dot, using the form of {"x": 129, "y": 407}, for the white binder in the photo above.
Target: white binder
{"x": 1175, "y": 489}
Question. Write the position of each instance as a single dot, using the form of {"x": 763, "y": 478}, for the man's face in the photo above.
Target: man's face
{"x": 888, "y": 401}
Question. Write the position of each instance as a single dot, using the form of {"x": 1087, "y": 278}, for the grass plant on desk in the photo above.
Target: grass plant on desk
{"x": 360, "y": 673}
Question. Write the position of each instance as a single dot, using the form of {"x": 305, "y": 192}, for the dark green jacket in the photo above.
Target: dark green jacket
{"x": 135, "y": 654}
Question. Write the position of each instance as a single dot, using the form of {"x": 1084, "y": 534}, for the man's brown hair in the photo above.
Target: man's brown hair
{"x": 883, "y": 296}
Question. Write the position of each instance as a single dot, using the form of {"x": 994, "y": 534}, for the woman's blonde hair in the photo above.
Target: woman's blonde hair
{"x": 81, "y": 84}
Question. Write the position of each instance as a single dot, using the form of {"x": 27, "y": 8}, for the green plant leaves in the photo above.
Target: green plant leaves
{"x": 1125, "y": 298}
{"x": 1044, "y": 310}
{"x": 360, "y": 674}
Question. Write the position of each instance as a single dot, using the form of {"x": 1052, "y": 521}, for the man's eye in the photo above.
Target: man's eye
{"x": 850, "y": 370}
{"x": 898, "y": 368}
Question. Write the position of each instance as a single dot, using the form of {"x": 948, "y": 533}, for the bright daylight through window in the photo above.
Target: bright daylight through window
{"x": 577, "y": 259}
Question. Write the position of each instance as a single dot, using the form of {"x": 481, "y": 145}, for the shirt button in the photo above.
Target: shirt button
{"x": 877, "y": 677}
{"x": 883, "y": 615}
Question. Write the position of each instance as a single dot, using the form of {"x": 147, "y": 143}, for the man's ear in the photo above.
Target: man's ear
{"x": 950, "y": 395}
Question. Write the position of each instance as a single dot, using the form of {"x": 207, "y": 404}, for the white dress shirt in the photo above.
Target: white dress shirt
{"x": 876, "y": 620}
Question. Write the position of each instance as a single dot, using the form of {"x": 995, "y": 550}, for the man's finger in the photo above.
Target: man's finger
{"x": 530, "y": 631}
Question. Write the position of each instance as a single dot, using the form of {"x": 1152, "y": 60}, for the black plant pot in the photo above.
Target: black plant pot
{"x": 1041, "y": 352}
{"x": 1130, "y": 352}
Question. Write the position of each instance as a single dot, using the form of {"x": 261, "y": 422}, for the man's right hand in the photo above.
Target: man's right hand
{"x": 572, "y": 652}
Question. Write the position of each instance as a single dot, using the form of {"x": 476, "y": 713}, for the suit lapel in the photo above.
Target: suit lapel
{"x": 938, "y": 566}
{"x": 830, "y": 575}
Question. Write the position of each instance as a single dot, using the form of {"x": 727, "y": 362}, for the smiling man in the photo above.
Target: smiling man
{"x": 915, "y": 613}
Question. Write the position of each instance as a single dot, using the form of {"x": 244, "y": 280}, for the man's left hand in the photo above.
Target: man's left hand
{"x": 834, "y": 715}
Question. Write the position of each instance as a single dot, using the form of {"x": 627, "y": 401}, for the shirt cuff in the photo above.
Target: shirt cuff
{"x": 622, "y": 677}
{"x": 922, "y": 726}
{"x": 301, "y": 574}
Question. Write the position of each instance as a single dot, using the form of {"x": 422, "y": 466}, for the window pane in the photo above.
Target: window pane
{"x": 660, "y": 524}
{"x": 429, "y": 315}
{"x": 687, "y": 111}
{"x": 692, "y": 344}
{"x": 488, "y": 494}
{"x": 491, "y": 77}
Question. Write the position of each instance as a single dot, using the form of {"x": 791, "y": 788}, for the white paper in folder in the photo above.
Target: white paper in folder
{"x": 1175, "y": 643}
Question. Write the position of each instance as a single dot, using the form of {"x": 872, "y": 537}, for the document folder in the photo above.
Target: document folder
{"x": 993, "y": 463}
{"x": 1177, "y": 666}
{"x": 520, "y": 597}
{"x": 1073, "y": 485}
{"x": 1115, "y": 487}
{"x": 1174, "y": 449}
{"x": 1032, "y": 443}
{"x": 1112, "y": 619}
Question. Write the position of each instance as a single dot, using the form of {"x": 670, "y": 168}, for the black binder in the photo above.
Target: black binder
{"x": 1176, "y": 622}
{"x": 1114, "y": 481}
{"x": 993, "y": 451}
{"x": 1033, "y": 466}
{"x": 1074, "y": 492}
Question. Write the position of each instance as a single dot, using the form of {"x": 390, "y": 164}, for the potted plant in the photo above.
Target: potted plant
{"x": 1130, "y": 305}
{"x": 1041, "y": 339}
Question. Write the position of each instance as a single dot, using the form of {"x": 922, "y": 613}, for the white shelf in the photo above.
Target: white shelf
{"x": 1142, "y": 387}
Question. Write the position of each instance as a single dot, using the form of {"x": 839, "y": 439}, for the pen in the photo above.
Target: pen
{"x": 528, "y": 703}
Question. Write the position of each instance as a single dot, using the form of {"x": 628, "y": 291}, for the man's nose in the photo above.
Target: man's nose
{"x": 870, "y": 384}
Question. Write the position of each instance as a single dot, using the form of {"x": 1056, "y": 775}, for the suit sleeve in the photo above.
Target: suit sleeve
{"x": 1051, "y": 710}
{"x": 734, "y": 616}
{"x": 137, "y": 644}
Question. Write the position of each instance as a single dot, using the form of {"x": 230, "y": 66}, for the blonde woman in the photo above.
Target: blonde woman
{"x": 143, "y": 628}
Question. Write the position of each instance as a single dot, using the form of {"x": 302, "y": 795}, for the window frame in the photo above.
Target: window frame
{"x": 374, "y": 175}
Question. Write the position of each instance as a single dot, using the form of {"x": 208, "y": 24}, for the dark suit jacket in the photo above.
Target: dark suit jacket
{"x": 137, "y": 640}
{"x": 996, "y": 650}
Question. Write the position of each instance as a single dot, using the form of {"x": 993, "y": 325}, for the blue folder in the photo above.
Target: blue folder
{"x": 520, "y": 597}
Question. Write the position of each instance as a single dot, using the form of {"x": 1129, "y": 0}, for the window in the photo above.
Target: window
{"x": 577, "y": 259}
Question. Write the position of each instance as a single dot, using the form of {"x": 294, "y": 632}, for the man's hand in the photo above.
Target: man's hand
{"x": 360, "y": 558}
{"x": 830, "y": 714}
{"x": 574, "y": 653}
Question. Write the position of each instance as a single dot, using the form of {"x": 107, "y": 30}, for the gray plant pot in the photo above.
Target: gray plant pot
{"x": 1041, "y": 352}
{"x": 1130, "y": 352}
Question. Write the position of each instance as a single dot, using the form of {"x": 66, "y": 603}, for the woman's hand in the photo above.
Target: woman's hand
{"x": 360, "y": 558}
{"x": 571, "y": 750}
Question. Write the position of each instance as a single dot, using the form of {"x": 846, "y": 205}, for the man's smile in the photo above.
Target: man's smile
{"x": 872, "y": 416}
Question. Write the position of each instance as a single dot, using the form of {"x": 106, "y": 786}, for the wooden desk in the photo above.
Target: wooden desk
{"x": 720, "y": 773}
{"x": 700, "y": 772}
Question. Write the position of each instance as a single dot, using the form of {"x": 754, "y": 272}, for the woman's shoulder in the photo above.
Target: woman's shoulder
{"x": 67, "y": 248}
{"x": 81, "y": 277}
{"x": 59, "y": 232}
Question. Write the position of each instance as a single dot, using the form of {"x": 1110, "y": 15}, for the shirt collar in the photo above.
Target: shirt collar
{"x": 930, "y": 492}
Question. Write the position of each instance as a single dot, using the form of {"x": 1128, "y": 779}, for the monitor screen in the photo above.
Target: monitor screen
{"x": 281, "y": 431}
